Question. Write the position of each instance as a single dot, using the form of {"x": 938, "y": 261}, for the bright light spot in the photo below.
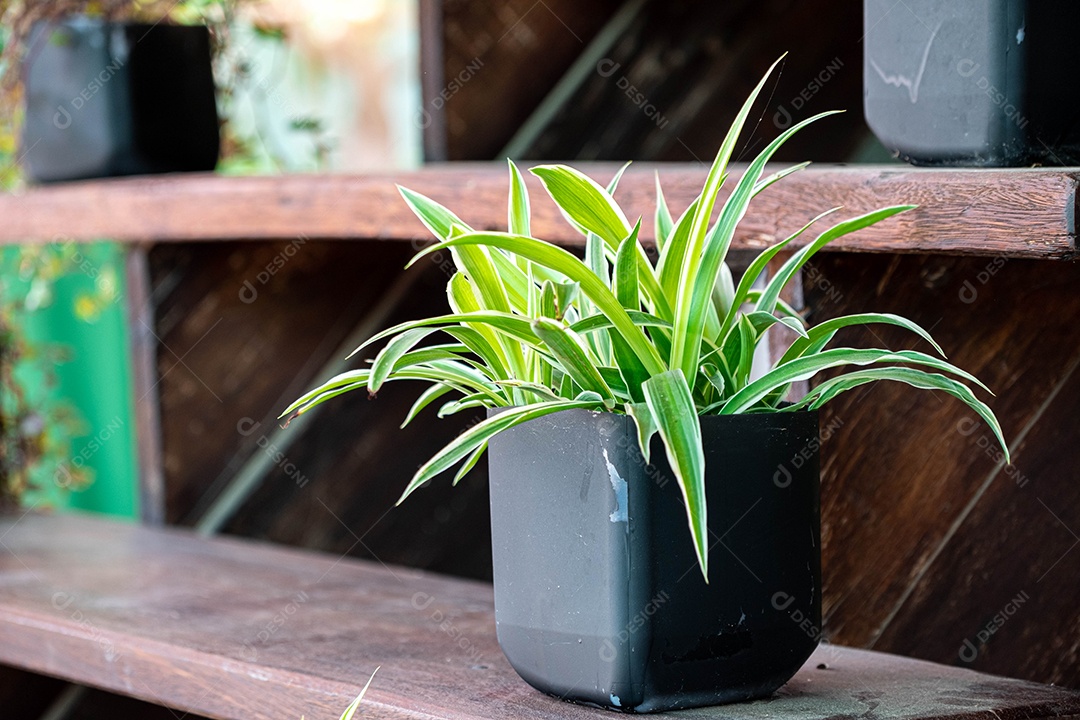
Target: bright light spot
{"x": 330, "y": 20}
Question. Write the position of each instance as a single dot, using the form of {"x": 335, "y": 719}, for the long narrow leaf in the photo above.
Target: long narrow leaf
{"x": 518, "y": 220}
{"x": 767, "y": 303}
{"x": 646, "y": 426}
{"x": 467, "y": 442}
{"x": 562, "y": 261}
{"x": 805, "y": 368}
{"x": 427, "y": 397}
{"x": 625, "y": 278}
{"x": 435, "y": 217}
{"x": 663, "y": 222}
{"x": 600, "y": 322}
{"x": 670, "y": 264}
{"x": 568, "y": 348}
{"x": 470, "y": 462}
{"x": 672, "y": 408}
{"x": 587, "y": 205}
{"x": 828, "y": 329}
{"x": 349, "y": 377}
{"x": 389, "y": 355}
{"x": 920, "y": 379}
{"x": 625, "y": 286}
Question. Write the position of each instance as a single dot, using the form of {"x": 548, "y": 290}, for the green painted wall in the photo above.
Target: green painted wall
{"x": 86, "y": 316}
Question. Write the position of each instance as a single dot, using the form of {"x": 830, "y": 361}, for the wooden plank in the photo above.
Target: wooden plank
{"x": 1002, "y": 594}
{"x": 1013, "y": 213}
{"x": 999, "y": 591}
{"x": 237, "y": 630}
{"x": 277, "y": 331}
{"x": 925, "y": 537}
{"x": 486, "y": 48}
{"x": 651, "y": 101}
{"x": 278, "y": 311}
{"x": 143, "y": 353}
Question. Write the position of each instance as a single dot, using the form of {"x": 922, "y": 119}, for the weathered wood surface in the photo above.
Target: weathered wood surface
{"x": 237, "y": 630}
{"x": 932, "y": 546}
{"x": 1021, "y": 213}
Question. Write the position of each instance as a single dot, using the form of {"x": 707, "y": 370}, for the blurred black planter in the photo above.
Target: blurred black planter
{"x": 106, "y": 99}
{"x": 598, "y": 595}
{"x": 974, "y": 82}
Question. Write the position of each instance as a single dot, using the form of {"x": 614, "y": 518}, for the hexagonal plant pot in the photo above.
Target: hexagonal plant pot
{"x": 598, "y": 595}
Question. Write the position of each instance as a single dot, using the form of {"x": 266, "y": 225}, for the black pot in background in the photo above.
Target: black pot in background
{"x": 974, "y": 82}
{"x": 598, "y": 595}
{"x": 106, "y": 99}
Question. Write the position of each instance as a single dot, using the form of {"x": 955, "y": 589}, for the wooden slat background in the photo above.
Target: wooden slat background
{"x": 928, "y": 540}
{"x": 669, "y": 100}
{"x": 505, "y": 58}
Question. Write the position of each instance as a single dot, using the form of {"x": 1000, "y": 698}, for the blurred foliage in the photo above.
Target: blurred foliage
{"x": 37, "y": 430}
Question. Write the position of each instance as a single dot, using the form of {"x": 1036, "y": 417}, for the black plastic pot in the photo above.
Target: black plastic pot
{"x": 974, "y": 82}
{"x": 598, "y": 595}
{"x": 106, "y": 99}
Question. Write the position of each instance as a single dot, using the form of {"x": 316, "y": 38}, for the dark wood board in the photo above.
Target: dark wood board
{"x": 99, "y": 705}
{"x": 1005, "y": 588}
{"x": 236, "y": 630}
{"x": 672, "y": 84}
{"x": 1028, "y": 213}
{"x": 24, "y": 695}
{"x": 238, "y": 341}
{"x": 500, "y": 60}
{"x": 340, "y": 477}
{"x": 1010, "y": 569}
{"x": 926, "y": 538}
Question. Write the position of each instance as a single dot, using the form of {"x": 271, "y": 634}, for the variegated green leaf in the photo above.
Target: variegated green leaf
{"x": 668, "y": 398}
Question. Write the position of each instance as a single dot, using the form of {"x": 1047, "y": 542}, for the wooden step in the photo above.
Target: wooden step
{"x": 1014, "y": 213}
{"x": 239, "y": 630}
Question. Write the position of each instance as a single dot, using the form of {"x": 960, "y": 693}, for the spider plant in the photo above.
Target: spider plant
{"x": 535, "y": 330}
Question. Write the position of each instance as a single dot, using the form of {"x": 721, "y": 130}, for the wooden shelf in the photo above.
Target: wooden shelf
{"x": 1015, "y": 213}
{"x": 244, "y": 631}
